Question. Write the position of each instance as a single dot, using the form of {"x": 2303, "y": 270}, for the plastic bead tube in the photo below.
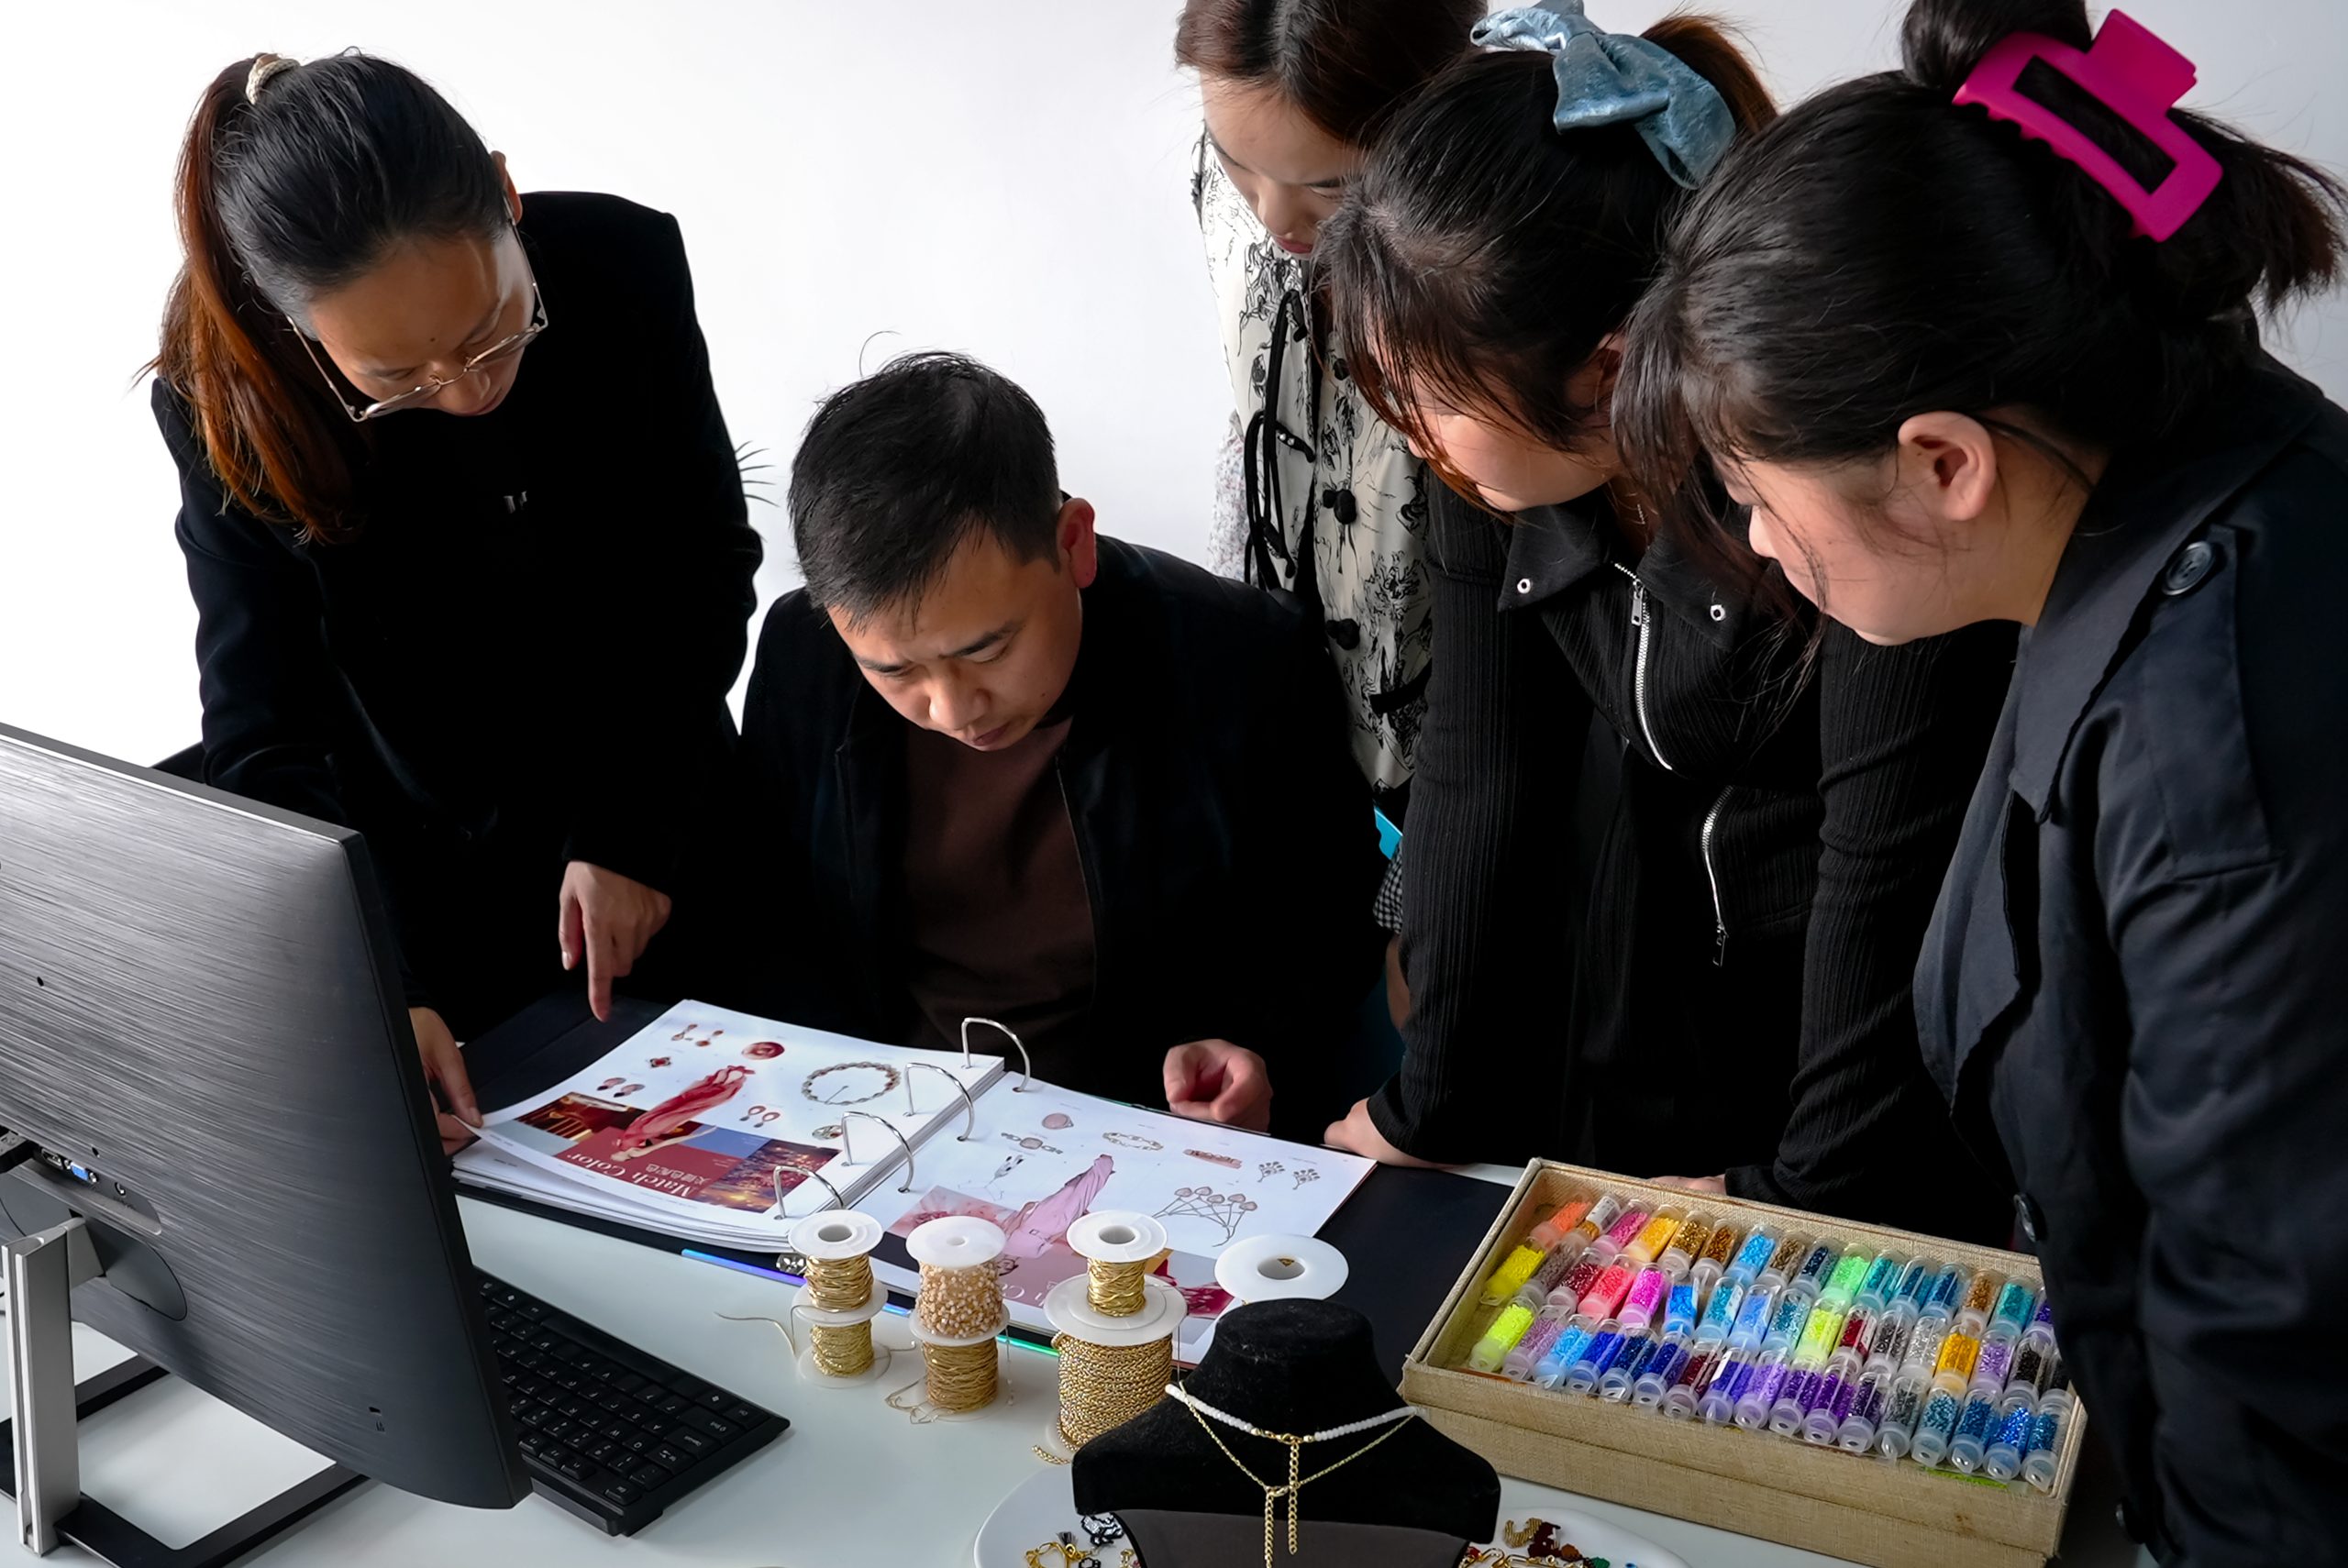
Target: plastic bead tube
{"x": 1751, "y": 1258}
{"x": 1645, "y": 1298}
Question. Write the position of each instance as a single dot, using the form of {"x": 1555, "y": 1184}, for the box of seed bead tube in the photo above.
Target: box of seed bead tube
{"x": 1871, "y": 1394}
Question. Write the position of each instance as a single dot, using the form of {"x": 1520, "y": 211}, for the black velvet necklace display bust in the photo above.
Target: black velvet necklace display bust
{"x": 1297, "y": 1367}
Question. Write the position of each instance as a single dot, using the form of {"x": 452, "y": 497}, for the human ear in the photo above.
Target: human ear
{"x": 513, "y": 195}
{"x": 1079, "y": 546}
{"x": 1948, "y": 465}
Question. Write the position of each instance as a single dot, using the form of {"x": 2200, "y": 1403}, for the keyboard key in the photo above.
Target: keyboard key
{"x": 529, "y": 1308}
{"x": 531, "y": 1360}
{"x": 742, "y": 1415}
{"x": 573, "y": 1404}
{"x": 606, "y": 1401}
{"x": 650, "y": 1475}
{"x": 628, "y": 1409}
{"x": 579, "y": 1467}
{"x": 689, "y": 1386}
{"x": 619, "y": 1494}
{"x": 628, "y": 1381}
{"x": 614, "y": 1427}
{"x": 639, "y": 1442}
{"x": 668, "y": 1457}
{"x": 564, "y": 1350}
{"x": 690, "y": 1441}
{"x": 564, "y": 1431}
{"x": 605, "y": 1452}
{"x": 534, "y": 1415}
{"x": 714, "y": 1399}
{"x": 659, "y": 1425}
{"x": 531, "y": 1441}
{"x": 506, "y": 1296}
{"x": 669, "y": 1404}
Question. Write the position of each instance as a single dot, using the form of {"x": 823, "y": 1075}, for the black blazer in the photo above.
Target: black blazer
{"x": 522, "y": 659}
{"x": 1733, "y": 995}
{"x": 1225, "y": 829}
{"x": 2139, "y": 972}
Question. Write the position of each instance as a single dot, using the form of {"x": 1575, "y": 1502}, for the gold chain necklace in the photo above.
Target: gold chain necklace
{"x": 1393, "y": 1422}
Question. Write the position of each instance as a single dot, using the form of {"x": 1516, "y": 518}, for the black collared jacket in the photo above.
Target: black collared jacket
{"x": 1225, "y": 833}
{"x": 2138, "y": 975}
{"x": 522, "y": 658}
{"x": 1728, "y": 991}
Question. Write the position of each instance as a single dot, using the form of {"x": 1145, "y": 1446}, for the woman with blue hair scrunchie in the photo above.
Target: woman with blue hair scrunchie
{"x": 1669, "y": 867}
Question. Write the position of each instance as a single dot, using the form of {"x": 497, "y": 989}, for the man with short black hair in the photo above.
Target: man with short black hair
{"x": 999, "y": 766}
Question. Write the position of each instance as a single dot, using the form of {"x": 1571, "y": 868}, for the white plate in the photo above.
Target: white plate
{"x": 1044, "y": 1505}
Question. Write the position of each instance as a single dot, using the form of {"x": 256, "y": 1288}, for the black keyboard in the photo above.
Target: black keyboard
{"x": 609, "y": 1433}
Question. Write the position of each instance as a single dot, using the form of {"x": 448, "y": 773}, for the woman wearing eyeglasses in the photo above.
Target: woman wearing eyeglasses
{"x": 472, "y": 582}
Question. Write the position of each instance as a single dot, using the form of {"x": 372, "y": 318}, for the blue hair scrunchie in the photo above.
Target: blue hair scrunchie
{"x": 1606, "y": 79}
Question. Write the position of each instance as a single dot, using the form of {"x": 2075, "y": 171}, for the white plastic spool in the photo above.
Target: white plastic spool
{"x": 1116, "y": 1236}
{"x": 958, "y": 1241}
{"x": 1280, "y": 1268}
{"x": 835, "y": 1237}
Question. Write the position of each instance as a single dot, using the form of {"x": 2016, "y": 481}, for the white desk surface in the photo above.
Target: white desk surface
{"x": 852, "y": 1482}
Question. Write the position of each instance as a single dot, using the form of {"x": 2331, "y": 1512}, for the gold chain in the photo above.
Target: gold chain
{"x": 1295, "y": 1446}
{"x": 1106, "y": 1385}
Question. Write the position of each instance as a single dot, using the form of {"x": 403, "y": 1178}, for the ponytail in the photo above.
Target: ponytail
{"x": 271, "y": 437}
{"x": 282, "y": 195}
{"x": 1704, "y": 46}
{"x": 1883, "y": 252}
{"x": 1483, "y": 256}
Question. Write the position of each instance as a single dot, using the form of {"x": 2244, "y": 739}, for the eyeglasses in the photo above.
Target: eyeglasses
{"x": 497, "y": 353}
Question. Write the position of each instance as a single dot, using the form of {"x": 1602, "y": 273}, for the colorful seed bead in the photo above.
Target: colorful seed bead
{"x": 2032, "y": 1361}
{"x": 1946, "y": 1291}
{"x": 1995, "y": 1363}
{"x": 1645, "y": 1298}
{"x": 1575, "y": 1283}
{"x": 2015, "y": 1301}
{"x": 1903, "y": 1407}
{"x": 1500, "y": 1337}
{"x": 1793, "y": 1316}
{"x": 1574, "y": 1346}
{"x": 1891, "y": 1340}
{"x": 1753, "y": 1317}
{"x": 1819, "y": 1334}
{"x": 1719, "y": 1320}
{"x": 1562, "y": 1218}
{"x": 1680, "y": 1313}
{"x": 1626, "y": 1229}
{"x": 1694, "y": 1234}
{"x": 1553, "y": 1267}
{"x": 1971, "y": 1439}
{"x": 1857, "y": 1330}
{"x": 1981, "y": 1294}
{"x": 1881, "y": 1276}
{"x": 1602, "y": 1214}
{"x": 1510, "y": 1276}
{"x": 1913, "y": 1278}
{"x": 1753, "y": 1256}
{"x": 1655, "y": 1235}
{"x": 1788, "y": 1257}
{"x": 1659, "y": 1372}
{"x": 1937, "y": 1426}
{"x": 1538, "y": 1340}
{"x": 1816, "y": 1265}
{"x": 1849, "y": 1270}
{"x": 1720, "y": 1247}
{"x": 1958, "y": 1353}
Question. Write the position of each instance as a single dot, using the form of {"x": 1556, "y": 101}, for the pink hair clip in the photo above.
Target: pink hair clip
{"x": 2136, "y": 75}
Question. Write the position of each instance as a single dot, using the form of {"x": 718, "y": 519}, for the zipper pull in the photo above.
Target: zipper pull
{"x": 1638, "y": 603}
{"x": 1719, "y": 946}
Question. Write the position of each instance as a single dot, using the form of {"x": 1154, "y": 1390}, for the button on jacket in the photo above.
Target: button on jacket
{"x": 2138, "y": 975}
{"x": 1733, "y": 996}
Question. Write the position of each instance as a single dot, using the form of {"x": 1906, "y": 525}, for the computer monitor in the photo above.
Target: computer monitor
{"x": 205, "y": 1049}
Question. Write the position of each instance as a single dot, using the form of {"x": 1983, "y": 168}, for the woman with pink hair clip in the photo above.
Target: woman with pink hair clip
{"x": 1977, "y": 341}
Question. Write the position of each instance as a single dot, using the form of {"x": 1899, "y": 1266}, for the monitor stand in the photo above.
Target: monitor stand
{"x": 45, "y": 1478}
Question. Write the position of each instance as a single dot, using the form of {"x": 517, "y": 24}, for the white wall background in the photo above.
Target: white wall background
{"x": 1006, "y": 178}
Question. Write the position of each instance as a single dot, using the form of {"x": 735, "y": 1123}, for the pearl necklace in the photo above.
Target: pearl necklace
{"x": 1203, "y": 1411}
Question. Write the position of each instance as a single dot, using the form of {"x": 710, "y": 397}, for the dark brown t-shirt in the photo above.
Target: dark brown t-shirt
{"x": 1002, "y": 925}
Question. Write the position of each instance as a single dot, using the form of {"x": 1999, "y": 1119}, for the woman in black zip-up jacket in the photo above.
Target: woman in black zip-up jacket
{"x": 1722, "y": 993}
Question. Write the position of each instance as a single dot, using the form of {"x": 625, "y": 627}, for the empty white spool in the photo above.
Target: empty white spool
{"x": 1280, "y": 1268}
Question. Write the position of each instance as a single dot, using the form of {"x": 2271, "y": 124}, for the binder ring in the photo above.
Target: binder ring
{"x": 970, "y": 1106}
{"x": 781, "y": 1199}
{"x": 1026, "y": 1067}
{"x": 847, "y": 1145}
